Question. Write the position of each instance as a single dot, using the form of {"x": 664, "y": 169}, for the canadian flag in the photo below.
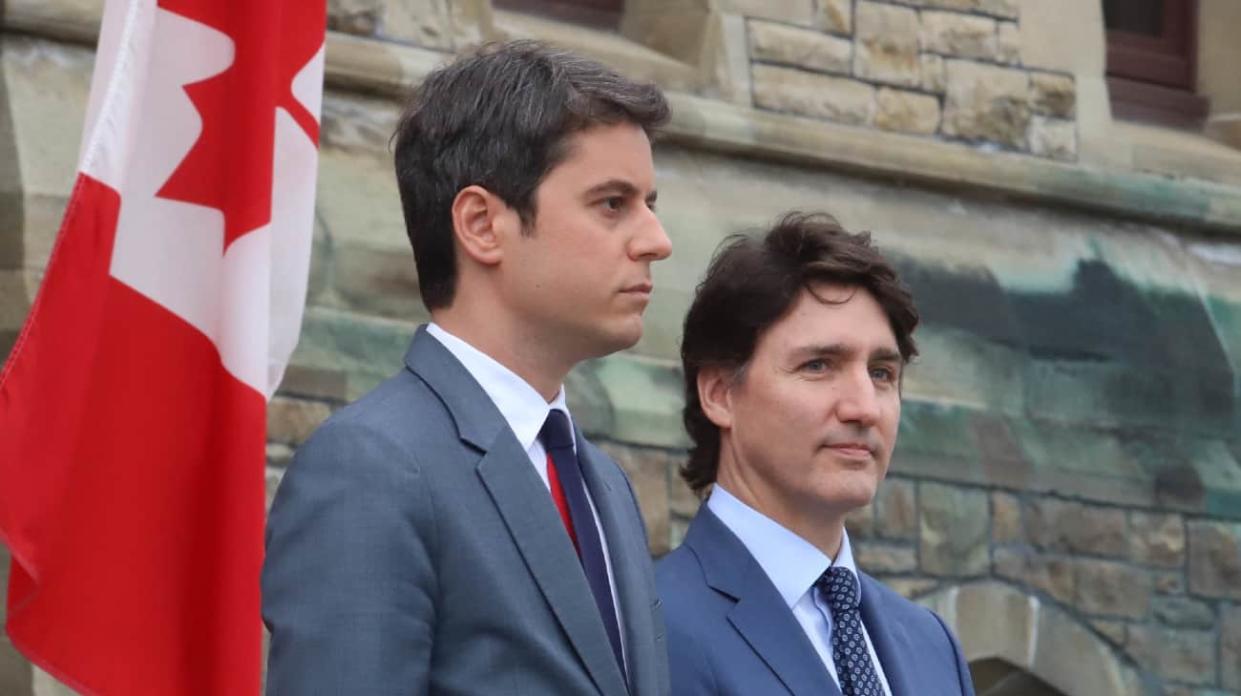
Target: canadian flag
{"x": 132, "y": 407}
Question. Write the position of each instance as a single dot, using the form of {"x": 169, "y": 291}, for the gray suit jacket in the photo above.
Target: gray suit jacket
{"x": 730, "y": 632}
{"x": 412, "y": 549}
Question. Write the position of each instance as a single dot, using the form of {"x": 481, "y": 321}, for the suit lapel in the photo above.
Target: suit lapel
{"x": 523, "y": 503}
{"x": 760, "y": 614}
{"x": 629, "y": 556}
{"x": 891, "y": 641}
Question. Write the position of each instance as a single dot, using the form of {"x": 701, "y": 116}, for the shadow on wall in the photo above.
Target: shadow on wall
{"x": 996, "y": 677}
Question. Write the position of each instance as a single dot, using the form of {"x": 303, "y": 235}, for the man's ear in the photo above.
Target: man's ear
{"x": 480, "y": 222}
{"x": 715, "y": 394}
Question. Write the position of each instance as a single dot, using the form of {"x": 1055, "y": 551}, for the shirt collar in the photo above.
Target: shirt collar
{"x": 792, "y": 563}
{"x": 522, "y": 407}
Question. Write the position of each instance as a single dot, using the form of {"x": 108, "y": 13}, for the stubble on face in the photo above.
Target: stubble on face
{"x": 815, "y": 414}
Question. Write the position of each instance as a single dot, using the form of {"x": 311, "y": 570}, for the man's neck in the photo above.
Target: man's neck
{"x": 823, "y": 530}
{"x": 503, "y": 345}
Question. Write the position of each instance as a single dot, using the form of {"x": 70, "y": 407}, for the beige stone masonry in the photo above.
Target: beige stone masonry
{"x": 886, "y": 44}
{"x": 1008, "y": 42}
{"x": 934, "y": 73}
{"x": 1008, "y": 9}
{"x": 807, "y": 94}
{"x": 1052, "y": 94}
{"x": 836, "y": 16}
{"x": 1052, "y": 137}
{"x": 909, "y": 112}
{"x": 956, "y": 34}
{"x": 803, "y": 48}
{"x": 801, "y": 12}
{"x": 986, "y": 102}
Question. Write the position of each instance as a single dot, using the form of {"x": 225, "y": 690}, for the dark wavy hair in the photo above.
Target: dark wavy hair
{"x": 499, "y": 118}
{"x": 752, "y": 282}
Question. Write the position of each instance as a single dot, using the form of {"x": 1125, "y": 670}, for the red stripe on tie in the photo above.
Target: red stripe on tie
{"x": 553, "y": 479}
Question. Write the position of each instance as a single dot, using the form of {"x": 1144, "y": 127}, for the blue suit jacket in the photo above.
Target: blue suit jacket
{"x": 730, "y": 632}
{"x": 412, "y": 549}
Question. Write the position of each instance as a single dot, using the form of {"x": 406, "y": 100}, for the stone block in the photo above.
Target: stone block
{"x": 1053, "y": 94}
{"x": 1157, "y": 539}
{"x": 801, "y": 12}
{"x": 278, "y": 455}
{"x": 1215, "y": 559}
{"x": 882, "y": 559}
{"x": 959, "y": 35}
{"x": 316, "y": 383}
{"x": 886, "y": 44}
{"x": 359, "y": 17}
{"x": 1186, "y": 656}
{"x": 1005, "y": 518}
{"x": 1114, "y": 631}
{"x": 986, "y": 102}
{"x": 376, "y": 281}
{"x": 934, "y": 74}
{"x": 836, "y": 16}
{"x": 803, "y": 48}
{"x": 896, "y": 510}
{"x": 1111, "y": 589}
{"x": 911, "y": 588}
{"x": 1053, "y": 137}
{"x": 291, "y": 421}
{"x": 954, "y": 530}
{"x": 1048, "y": 574}
{"x": 1183, "y": 612}
{"x": 907, "y": 112}
{"x": 1060, "y": 525}
{"x": 833, "y": 98}
{"x": 1230, "y": 647}
{"x": 647, "y": 469}
{"x": 681, "y": 500}
{"x": 1008, "y": 43}
{"x": 1169, "y": 582}
{"x": 1008, "y": 9}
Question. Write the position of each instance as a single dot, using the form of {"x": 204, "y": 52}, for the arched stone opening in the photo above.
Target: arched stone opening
{"x": 996, "y": 677}
{"x": 1017, "y": 644}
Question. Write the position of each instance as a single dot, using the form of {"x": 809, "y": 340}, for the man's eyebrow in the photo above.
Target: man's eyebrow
{"x": 830, "y": 349}
{"x": 886, "y": 355}
{"x": 619, "y": 187}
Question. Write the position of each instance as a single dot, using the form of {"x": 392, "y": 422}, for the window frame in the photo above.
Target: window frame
{"x": 1153, "y": 78}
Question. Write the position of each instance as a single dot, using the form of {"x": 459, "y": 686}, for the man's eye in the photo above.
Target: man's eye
{"x": 883, "y": 374}
{"x": 613, "y": 203}
{"x": 816, "y": 365}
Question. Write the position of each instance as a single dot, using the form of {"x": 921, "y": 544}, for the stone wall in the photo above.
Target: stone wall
{"x": 1068, "y": 457}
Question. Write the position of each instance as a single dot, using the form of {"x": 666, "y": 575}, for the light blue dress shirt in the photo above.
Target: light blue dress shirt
{"x": 793, "y": 565}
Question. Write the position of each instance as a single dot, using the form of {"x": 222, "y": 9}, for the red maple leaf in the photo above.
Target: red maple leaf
{"x": 229, "y": 167}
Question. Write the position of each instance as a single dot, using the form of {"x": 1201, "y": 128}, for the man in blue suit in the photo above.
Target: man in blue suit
{"x": 793, "y": 351}
{"x": 452, "y": 532}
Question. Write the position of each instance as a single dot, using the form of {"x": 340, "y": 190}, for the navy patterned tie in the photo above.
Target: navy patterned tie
{"x": 854, "y": 668}
{"x": 557, "y": 439}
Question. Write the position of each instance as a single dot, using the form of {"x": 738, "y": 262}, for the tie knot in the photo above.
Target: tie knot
{"x": 839, "y": 588}
{"x": 556, "y": 433}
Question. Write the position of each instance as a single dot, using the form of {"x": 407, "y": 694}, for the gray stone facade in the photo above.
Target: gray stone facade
{"x": 1066, "y": 489}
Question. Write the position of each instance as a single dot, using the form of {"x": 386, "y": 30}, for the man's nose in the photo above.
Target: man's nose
{"x": 651, "y": 242}
{"x": 858, "y": 401}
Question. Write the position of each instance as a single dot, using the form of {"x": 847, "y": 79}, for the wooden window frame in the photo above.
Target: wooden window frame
{"x": 1153, "y": 78}
{"x": 598, "y": 14}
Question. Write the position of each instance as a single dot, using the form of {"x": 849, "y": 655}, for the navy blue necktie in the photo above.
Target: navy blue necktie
{"x": 557, "y": 439}
{"x": 854, "y": 668}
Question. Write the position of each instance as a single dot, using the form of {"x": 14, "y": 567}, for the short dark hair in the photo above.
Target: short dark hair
{"x": 499, "y": 118}
{"x": 751, "y": 284}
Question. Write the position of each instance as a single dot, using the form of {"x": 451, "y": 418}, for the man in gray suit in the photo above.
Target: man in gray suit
{"x": 793, "y": 353}
{"x": 452, "y": 532}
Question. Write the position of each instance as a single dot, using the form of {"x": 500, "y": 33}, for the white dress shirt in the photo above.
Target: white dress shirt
{"x": 793, "y": 565}
{"x": 525, "y": 411}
